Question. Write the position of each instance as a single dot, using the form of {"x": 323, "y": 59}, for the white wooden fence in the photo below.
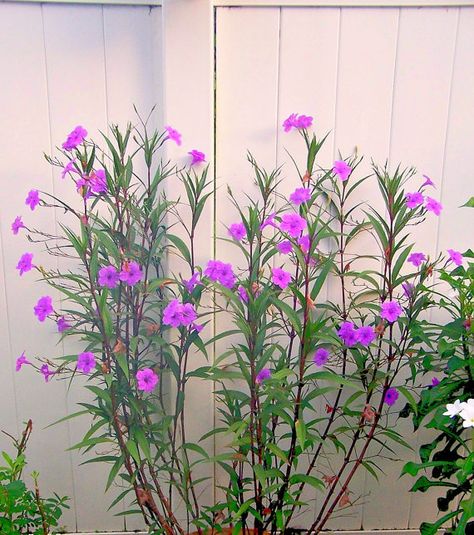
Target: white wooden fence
{"x": 395, "y": 80}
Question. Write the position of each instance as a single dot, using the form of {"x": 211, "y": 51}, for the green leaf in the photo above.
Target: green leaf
{"x": 301, "y": 433}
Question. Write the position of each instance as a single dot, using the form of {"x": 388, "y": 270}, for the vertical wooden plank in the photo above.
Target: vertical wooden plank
{"x": 188, "y": 92}
{"x": 77, "y": 95}
{"x": 309, "y": 45}
{"x": 247, "y": 51}
{"x": 362, "y": 127}
{"x": 129, "y": 53}
{"x": 24, "y": 136}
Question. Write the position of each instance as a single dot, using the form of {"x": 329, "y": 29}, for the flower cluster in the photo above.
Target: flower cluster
{"x": 218, "y": 271}
{"x": 178, "y": 314}
{"x": 348, "y": 333}
{"x": 297, "y": 121}
{"x": 130, "y": 274}
{"x": 415, "y": 199}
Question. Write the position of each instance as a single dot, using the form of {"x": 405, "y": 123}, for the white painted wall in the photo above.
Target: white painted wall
{"x": 396, "y": 82}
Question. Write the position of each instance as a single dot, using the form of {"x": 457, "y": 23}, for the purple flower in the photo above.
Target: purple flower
{"x": 304, "y": 243}
{"x": 342, "y": 170}
{"x": 414, "y": 199}
{"x": 63, "y": 324}
{"x": 365, "y": 335}
{"x": 86, "y": 362}
{"x": 197, "y": 156}
{"x": 295, "y": 121}
{"x": 391, "y": 311}
{"x": 263, "y": 375}
{"x": 220, "y": 272}
{"x": 269, "y": 222}
{"x": 293, "y": 224}
{"x": 108, "y": 277}
{"x": 281, "y": 278}
{"x": 68, "y": 168}
{"x": 417, "y": 259}
{"x": 243, "y": 295}
{"x": 17, "y": 225}
{"x": 82, "y": 186}
{"x": 75, "y": 138}
{"x": 391, "y": 396}
{"x": 98, "y": 181}
{"x": 197, "y": 327}
{"x": 284, "y": 247}
{"x": 237, "y": 231}
{"x": 300, "y": 196}
{"x": 347, "y": 333}
{"x": 43, "y": 307}
{"x": 432, "y": 205}
{"x": 32, "y": 200}
{"x": 172, "y": 313}
{"x": 435, "y": 381}
{"x": 427, "y": 182}
{"x": 304, "y": 121}
{"x": 321, "y": 356}
{"x": 146, "y": 379}
{"x": 47, "y": 373}
{"x": 173, "y": 134}
{"x": 455, "y": 257}
{"x": 177, "y": 314}
{"x": 24, "y": 264}
{"x": 408, "y": 289}
{"x": 131, "y": 273}
{"x": 188, "y": 314}
{"x": 20, "y": 361}
{"x": 192, "y": 282}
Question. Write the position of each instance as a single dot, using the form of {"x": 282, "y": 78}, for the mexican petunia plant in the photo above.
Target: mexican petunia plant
{"x": 110, "y": 292}
{"x": 324, "y": 338}
{"x": 315, "y": 336}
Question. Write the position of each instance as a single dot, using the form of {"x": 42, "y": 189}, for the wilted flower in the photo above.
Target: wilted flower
{"x": 192, "y": 282}
{"x": 408, "y": 288}
{"x": 269, "y": 222}
{"x": 243, "y": 295}
{"x": 86, "y": 361}
{"x": 63, "y": 324}
{"x": 146, "y": 379}
{"x": 46, "y": 372}
{"x": 427, "y": 182}
{"x": 263, "y": 375}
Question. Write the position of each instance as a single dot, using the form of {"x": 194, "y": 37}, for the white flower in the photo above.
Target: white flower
{"x": 467, "y": 413}
{"x": 453, "y": 409}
